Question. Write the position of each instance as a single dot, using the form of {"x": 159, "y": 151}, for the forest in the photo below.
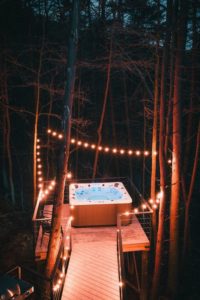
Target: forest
{"x": 120, "y": 81}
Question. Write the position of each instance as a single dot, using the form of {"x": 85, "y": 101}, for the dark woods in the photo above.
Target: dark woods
{"x": 136, "y": 86}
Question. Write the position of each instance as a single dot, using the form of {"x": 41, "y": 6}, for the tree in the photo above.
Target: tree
{"x": 162, "y": 157}
{"x": 176, "y": 152}
{"x": 64, "y": 153}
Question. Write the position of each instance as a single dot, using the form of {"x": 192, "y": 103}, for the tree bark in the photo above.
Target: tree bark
{"x": 64, "y": 152}
{"x": 189, "y": 197}
{"x": 99, "y": 130}
{"x": 7, "y": 161}
{"x": 154, "y": 145}
{"x": 162, "y": 159}
{"x": 176, "y": 155}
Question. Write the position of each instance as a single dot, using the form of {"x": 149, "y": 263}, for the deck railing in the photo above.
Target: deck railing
{"x": 121, "y": 269}
{"x": 42, "y": 219}
{"x": 60, "y": 269}
{"x": 56, "y": 281}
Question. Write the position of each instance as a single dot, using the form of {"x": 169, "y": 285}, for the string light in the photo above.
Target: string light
{"x": 144, "y": 206}
{"x": 39, "y": 166}
{"x": 48, "y": 189}
{"x": 69, "y": 175}
{"x": 102, "y": 148}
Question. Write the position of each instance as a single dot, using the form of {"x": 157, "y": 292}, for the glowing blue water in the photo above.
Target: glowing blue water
{"x": 98, "y": 193}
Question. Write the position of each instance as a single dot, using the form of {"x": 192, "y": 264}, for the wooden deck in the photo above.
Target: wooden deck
{"x": 134, "y": 237}
{"x": 93, "y": 269}
{"x": 43, "y": 237}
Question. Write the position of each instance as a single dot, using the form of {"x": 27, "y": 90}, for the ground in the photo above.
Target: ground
{"x": 15, "y": 239}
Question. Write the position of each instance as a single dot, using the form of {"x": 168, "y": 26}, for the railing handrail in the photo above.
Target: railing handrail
{"x": 121, "y": 269}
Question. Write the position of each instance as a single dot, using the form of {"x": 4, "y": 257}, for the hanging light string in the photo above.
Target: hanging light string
{"x": 46, "y": 191}
{"x": 105, "y": 149}
{"x": 39, "y": 165}
{"x": 155, "y": 202}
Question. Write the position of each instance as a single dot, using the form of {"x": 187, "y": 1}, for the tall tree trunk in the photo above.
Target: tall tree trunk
{"x": 154, "y": 144}
{"x": 99, "y": 130}
{"x": 193, "y": 95}
{"x": 173, "y": 45}
{"x": 126, "y": 104}
{"x": 114, "y": 134}
{"x": 176, "y": 154}
{"x": 189, "y": 197}
{"x": 37, "y": 106}
{"x": 162, "y": 158}
{"x": 7, "y": 163}
{"x": 64, "y": 155}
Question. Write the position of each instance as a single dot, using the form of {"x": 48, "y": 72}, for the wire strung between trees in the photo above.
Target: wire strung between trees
{"x": 101, "y": 148}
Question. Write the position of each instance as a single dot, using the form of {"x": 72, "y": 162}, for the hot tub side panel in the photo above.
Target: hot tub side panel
{"x": 98, "y": 215}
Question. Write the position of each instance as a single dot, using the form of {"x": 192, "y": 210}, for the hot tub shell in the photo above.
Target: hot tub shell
{"x": 99, "y": 212}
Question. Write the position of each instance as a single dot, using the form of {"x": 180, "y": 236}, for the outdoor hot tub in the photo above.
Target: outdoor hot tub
{"x": 95, "y": 204}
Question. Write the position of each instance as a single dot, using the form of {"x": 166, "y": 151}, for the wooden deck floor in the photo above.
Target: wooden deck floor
{"x": 93, "y": 269}
{"x": 134, "y": 237}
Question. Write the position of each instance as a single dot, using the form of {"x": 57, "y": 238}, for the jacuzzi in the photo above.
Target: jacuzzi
{"x": 96, "y": 204}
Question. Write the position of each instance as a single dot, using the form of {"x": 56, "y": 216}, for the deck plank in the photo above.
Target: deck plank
{"x": 93, "y": 268}
{"x": 133, "y": 237}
